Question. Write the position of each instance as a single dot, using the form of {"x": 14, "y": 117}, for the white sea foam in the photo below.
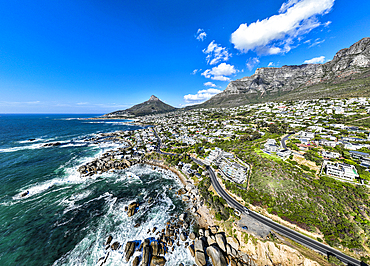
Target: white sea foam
{"x": 35, "y": 140}
{"x": 91, "y": 248}
{"x": 29, "y": 147}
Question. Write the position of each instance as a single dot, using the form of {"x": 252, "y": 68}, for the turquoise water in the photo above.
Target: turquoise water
{"x": 65, "y": 218}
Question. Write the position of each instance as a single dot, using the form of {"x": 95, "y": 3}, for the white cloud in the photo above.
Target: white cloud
{"x": 220, "y": 72}
{"x": 317, "y": 42}
{"x": 315, "y": 60}
{"x": 201, "y": 35}
{"x": 277, "y": 33}
{"x": 252, "y": 62}
{"x": 216, "y": 53}
{"x": 271, "y": 64}
{"x": 195, "y": 71}
{"x": 209, "y": 84}
{"x": 201, "y": 96}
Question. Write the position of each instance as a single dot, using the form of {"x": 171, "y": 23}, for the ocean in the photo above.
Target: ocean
{"x": 65, "y": 218}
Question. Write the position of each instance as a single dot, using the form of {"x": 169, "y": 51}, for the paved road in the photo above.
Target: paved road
{"x": 297, "y": 237}
{"x": 283, "y": 144}
{"x": 283, "y": 140}
{"x": 287, "y": 232}
{"x": 158, "y": 148}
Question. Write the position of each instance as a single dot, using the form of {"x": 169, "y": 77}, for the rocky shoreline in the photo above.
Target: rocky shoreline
{"x": 204, "y": 244}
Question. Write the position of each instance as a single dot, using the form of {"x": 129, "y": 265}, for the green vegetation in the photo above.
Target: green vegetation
{"x": 339, "y": 210}
{"x": 219, "y": 205}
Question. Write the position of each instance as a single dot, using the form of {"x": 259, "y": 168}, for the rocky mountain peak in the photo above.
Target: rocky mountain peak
{"x": 153, "y": 98}
{"x": 269, "y": 83}
{"x": 360, "y": 47}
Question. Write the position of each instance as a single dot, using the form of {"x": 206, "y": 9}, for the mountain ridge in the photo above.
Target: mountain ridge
{"x": 309, "y": 80}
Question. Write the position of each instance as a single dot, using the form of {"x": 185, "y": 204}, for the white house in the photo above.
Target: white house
{"x": 341, "y": 170}
{"x": 330, "y": 155}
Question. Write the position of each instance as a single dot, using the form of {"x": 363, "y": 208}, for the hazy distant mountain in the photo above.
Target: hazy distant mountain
{"x": 347, "y": 75}
{"x": 151, "y": 106}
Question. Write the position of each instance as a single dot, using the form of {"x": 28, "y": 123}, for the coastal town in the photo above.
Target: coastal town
{"x": 314, "y": 143}
{"x": 320, "y": 134}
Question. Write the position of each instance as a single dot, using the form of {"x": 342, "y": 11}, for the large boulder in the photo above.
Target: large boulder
{"x": 146, "y": 256}
{"x": 116, "y": 245}
{"x": 192, "y": 236}
{"x": 216, "y": 256}
{"x": 157, "y": 261}
{"x": 132, "y": 208}
{"x": 192, "y": 252}
{"x": 136, "y": 261}
{"x": 129, "y": 250}
{"x": 200, "y": 258}
{"x": 155, "y": 248}
{"x": 199, "y": 245}
{"x": 183, "y": 236}
{"x": 221, "y": 241}
{"x": 211, "y": 240}
{"x": 228, "y": 249}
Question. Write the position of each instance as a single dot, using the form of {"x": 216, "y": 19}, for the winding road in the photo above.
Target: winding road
{"x": 283, "y": 230}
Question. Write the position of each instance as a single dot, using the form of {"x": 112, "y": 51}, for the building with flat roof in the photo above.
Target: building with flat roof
{"x": 341, "y": 170}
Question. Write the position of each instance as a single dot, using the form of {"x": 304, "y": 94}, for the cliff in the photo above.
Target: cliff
{"x": 348, "y": 74}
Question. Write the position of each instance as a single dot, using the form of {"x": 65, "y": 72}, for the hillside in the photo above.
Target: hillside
{"x": 151, "y": 106}
{"x": 347, "y": 75}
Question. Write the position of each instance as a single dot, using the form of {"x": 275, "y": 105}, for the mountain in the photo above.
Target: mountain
{"x": 151, "y": 106}
{"x": 347, "y": 75}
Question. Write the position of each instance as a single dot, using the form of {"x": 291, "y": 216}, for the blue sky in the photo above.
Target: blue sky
{"x": 85, "y": 56}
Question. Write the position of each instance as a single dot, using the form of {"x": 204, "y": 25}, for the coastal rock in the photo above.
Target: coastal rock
{"x": 25, "y": 194}
{"x": 109, "y": 240}
{"x": 132, "y": 208}
{"x": 116, "y": 245}
{"x": 129, "y": 250}
{"x": 192, "y": 236}
{"x": 136, "y": 261}
{"x": 221, "y": 241}
{"x": 182, "y": 236}
{"x": 199, "y": 245}
{"x": 157, "y": 261}
{"x": 182, "y": 217}
{"x": 216, "y": 256}
{"x": 201, "y": 232}
{"x": 228, "y": 249}
{"x": 234, "y": 252}
{"x": 233, "y": 242}
{"x": 207, "y": 233}
{"x": 155, "y": 248}
{"x": 146, "y": 256}
{"x": 181, "y": 191}
{"x": 192, "y": 252}
{"x": 200, "y": 258}
{"x": 211, "y": 240}
{"x": 52, "y": 144}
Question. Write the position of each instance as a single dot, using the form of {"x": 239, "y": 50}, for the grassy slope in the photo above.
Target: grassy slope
{"x": 357, "y": 85}
{"x": 339, "y": 210}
